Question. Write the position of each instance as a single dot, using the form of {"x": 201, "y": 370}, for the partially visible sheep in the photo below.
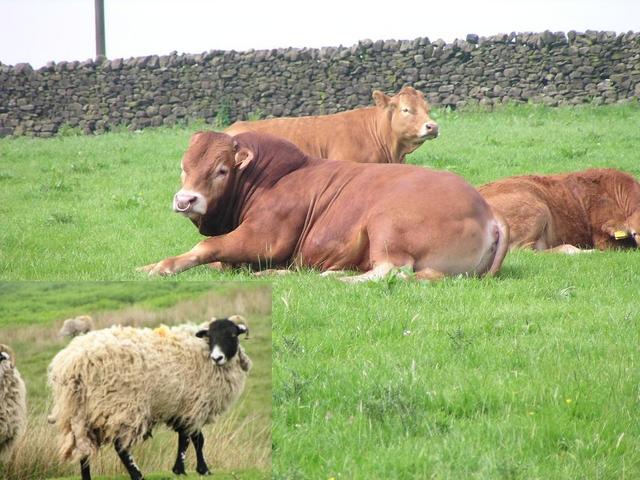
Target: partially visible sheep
{"x": 13, "y": 402}
{"x": 72, "y": 327}
{"x": 115, "y": 385}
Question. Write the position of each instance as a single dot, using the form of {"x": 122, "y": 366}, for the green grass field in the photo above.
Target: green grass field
{"x": 35, "y": 303}
{"x": 534, "y": 374}
{"x": 35, "y": 341}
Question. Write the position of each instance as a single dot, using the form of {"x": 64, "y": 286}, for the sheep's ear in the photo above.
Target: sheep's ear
{"x": 242, "y": 328}
{"x": 202, "y": 333}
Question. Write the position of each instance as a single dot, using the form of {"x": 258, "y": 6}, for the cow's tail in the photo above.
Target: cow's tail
{"x": 502, "y": 244}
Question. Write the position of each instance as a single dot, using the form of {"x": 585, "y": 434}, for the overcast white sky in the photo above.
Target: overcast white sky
{"x": 36, "y": 31}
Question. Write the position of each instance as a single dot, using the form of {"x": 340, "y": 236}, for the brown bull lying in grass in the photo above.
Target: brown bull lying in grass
{"x": 597, "y": 208}
{"x": 385, "y": 133}
{"x": 263, "y": 201}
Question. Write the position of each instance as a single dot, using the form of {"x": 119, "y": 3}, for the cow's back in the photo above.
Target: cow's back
{"x": 546, "y": 208}
{"x": 414, "y": 203}
{"x": 344, "y": 136}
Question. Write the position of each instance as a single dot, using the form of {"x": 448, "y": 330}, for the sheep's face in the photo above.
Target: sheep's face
{"x": 6, "y": 359}
{"x": 222, "y": 336}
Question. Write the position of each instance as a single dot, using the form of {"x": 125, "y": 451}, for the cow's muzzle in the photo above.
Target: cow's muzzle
{"x": 428, "y": 131}
{"x": 431, "y": 130}
{"x": 189, "y": 202}
{"x": 183, "y": 203}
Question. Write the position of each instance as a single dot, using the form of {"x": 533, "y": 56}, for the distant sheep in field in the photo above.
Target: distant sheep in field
{"x": 13, "y": 402}
{"x": 114, "y": 385}
{"x": 72, "y": 327}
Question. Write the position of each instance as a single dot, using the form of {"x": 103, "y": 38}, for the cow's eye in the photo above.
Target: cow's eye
{"x": 405, "y": 110}
{"x": 222, "y": 171}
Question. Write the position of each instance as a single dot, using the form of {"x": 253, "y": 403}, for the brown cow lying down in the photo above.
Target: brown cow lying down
{"x": 263, "y": 201}
{"x": 571, "y": 211}
{"x": 385, "y": 133}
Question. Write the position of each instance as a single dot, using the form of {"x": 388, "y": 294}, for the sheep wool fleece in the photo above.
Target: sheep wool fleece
{"x": 118, "y": 383}
{"x": 13, "y": 407}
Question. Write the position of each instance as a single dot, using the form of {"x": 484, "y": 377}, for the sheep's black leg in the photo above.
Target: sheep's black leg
{"x": 183, "y": 444}
{"x": 198, "y": 443}
{"x": 127, "y": 460}
{"x": 84, "y": 469}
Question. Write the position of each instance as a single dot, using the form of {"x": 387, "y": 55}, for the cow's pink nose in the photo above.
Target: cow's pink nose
{"x": 432, "y": 129}
{"x": 184, "y": 201}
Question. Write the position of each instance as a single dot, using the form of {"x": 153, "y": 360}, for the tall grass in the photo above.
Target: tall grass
{"x": 234, "y": 443}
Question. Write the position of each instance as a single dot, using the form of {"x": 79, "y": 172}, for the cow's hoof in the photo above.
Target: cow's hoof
{"x": 352, "y": 279}
{"x": 162, "y": 272}
{"x": 156, "y": 269}
{"x": 570, "y": 250}
{"x": 271, "y": 271}
{"x": 179, "y": 471}
{"x": 332, "y": 273}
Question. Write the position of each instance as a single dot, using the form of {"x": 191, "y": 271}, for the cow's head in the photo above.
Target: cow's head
{"x": 624, "y": 233}
{"x": 222, "y": 337}
{"x": 209, "y": 169}
{"x": 633, "y": 227}
{"x": 625, "y": 190}
{"x": 409, "y": 115}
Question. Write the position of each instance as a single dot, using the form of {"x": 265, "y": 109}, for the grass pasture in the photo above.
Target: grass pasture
{"x": 246, "y": 428}
{"x": 534, "y": 374}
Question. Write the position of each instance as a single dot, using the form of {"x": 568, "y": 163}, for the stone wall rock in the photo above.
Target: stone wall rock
{"x": 552, "y": 68}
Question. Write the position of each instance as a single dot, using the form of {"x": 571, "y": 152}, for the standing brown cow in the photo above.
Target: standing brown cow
{"x": 263, "y": 201}
{"x": 594, "y": 208}
{"x": 386, "y": 133}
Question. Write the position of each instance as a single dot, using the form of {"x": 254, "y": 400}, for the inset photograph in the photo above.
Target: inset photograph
{"x": 119, "y": 380}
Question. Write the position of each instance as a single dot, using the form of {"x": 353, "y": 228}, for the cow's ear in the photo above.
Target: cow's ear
{"x": 194, "y": 138}
{"x": 381, "y": 100}
{"x": 243, "y": 158}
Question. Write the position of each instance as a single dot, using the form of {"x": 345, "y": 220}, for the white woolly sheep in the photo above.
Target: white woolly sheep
{"x": 73, "y": 327}
{"x": 13, "y": 402}
{"x": 114, "y": 385}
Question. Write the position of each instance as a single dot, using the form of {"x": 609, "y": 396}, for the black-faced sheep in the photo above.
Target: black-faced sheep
{"x": 73, "y": 327}
{"x": 114, "y": 385}
{"x": 13, "y": 402}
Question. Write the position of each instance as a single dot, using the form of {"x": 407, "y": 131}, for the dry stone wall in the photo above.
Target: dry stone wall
{"x": 95, "y": 96}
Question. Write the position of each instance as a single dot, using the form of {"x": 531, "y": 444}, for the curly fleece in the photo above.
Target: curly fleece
{"x": 120, "y": 382}
{"x": 13, "y": 404}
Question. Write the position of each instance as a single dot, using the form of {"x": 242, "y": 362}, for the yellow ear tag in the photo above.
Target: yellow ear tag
{"x": 162, "y": 330}
{"x": 620, "y": 234}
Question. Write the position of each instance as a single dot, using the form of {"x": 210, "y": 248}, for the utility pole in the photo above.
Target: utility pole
{"x": 100, "y": 43}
